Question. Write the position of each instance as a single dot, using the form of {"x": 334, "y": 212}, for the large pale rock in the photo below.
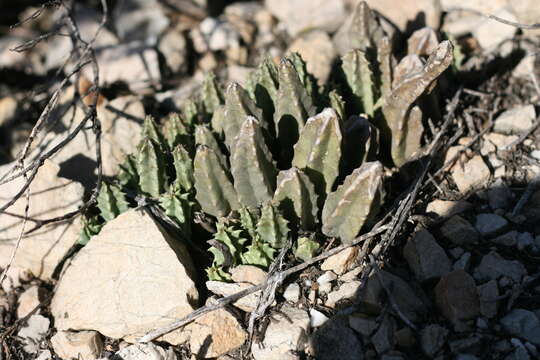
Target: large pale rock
{"x": 121, "y": 121}
{"x": 215, "y": 334}
{"x": 34, "y": 332}
{"x": 473, "y": 174}
{"x": 301, "y": 15}
{"x": 318, "y": 52}
{"x": 144, "y": 352}
{"x": 51, "y": 196}
{"x": 77, "y": 345}
{"x": 247, "y": 303}
{"x": 286, "y": 334}
{"x": 527, "y": 12}
{"x": 29, "y": 300}
{"x": 130, "y": 278}
{"x": 342, "y": 261}
{"x": 409, "y": 15}
{"x": 490, "y": 33}
{"x": 515, "y": 120}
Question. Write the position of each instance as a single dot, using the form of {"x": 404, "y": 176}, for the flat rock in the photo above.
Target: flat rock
{"x": 363, "y": 324}
{"x": 409, "y": 15}
{"x": 140, "y": 20}
{"x": 490, "y": 224}
{"x": 51, "y": 196}
{"x": 336, "y": 340}
{"x": 405, "y": 297}
{"x": 426, "y": 257}
{"x": 459, "y": 231}
{"x": 111, "y": 284}
{"x": 515, "y": 120}
{"x": 248, "y": 274}
{"x": 494, "y": 142}
{"x": 29, "y": 299}
{"x": 144, "y": 352}
{"x": 499, "y": 195}
{"x": 448, "y": 208}
{"x": 506, "y": 239}
{"x": 292, "y": 292}
{"x": 317, "y": 50}
{"x": 8, "y": 109}
{"x": 286, "y": 334}
{"x": 301, "y": 15}
{"x": 383, "y": 339}
{"x": 491, "y": 33}
{"x": 346, "y": 292}
{"x": 215, "y": 334}
{"x": 488, "y": 293}
{"x": 316, "y": 318}
{"x": 341, "y": 262}
{"x": 247, "y": 303}
{"x": 77, "y": 345}
{"x": 523, "y": 324}
{"x": 457, "y": 297}
{"x": 432, "y": 339}
{"x": 473, "y": 174}
{"x": 173, "y": 46}
{"x": 493, "y": 266}
{"x": 34, "y": 332}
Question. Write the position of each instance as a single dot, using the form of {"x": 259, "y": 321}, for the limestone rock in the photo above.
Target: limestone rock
{"x": 247, "y": 303}
{"x": 51, "y": 196}
{"x": 140, "y": 20}
{"x": 8, "y": 109}
{"x": 473, "y": 174}
{"x": 33, "y": 332}
{"x": 490, "y": 224}
{"x": 292, "y": 293}
{"x": 346, "y": 292}
{"x": 426, "y": 257}
{"x": 493, "y": 266}
{"x": 111, "y": 284}
{"x": 342, "y": 261}
{"x": 144, "y": 352}
{"x": 459, "y": 231}
{"x": 457, "y": 296}
{"x": 489, "y": 292}
{"x": 515, "y": 120}
{"x": 301, "y": 15}
{"x": 336, "y": 340}
{"x": 69, "y": 345}
{"x": 173, "y": 46}
{"x": 286, "y": 334}
{"x": 491, "y": 33}
{"x": 29, "y": 299}
{"x": 215, "y": 333}
{"x": 448, "y": 208}
{"x": 249, "y": 274}
{"x": 409, "y": 15}
{"x": 318, "y": 52}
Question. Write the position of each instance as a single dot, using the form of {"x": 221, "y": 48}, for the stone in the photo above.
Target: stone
{"x": 137, "y": 20}
{"x": 317, "y": 50}
{"x": 346, "y": 292}
{"x": 422, "y": 42}
{"x": 507, "y": 239}
{"x": 463, "y": 262}
{"x": 215, "y": 333}
{"x": 523, "y": 324}
{"x": 86, "y": 345}
{"x": 248, "y": 274}
{"x": 457, "y": 297}
{"x": 491, "y": 33}
{"x": 383, "y": 339}
{"x": 326, "y": 277}
{"x": 286, "y": 334}
{"x": 494, "y": 142}
{"x": 526, "y": 12}
{"x": 29, "y": 300}
{"x": 144, "y": 352}
{"x": 247, "y": 303}
{"x": 292, "y": 293}
{"x": 301, "y": 15}
{"x": 45, "y": 355}
{"x": 524, "y": 241}
{"x": 432, "y": 339}
{"x": 8, "y": 110}
{"x": 341, "y": 262}
{"x": 316, "y": 318}
{"x": 493, "y": 266}
{"x": 448, "y": 208}
{"x": 472, "y": 344}
{"x": 490, "y": 224}
{"x": 405, "y": 297}
{"x": 515, "y": 120}
{"x": 362, "y": 324}
{"x": 336, "y": 340}
{"x": 111, "y": 284}
{"x": 135, "y": 64}
{"x": 173, "y": 46}
{"x": 459, "y": 231}
{"x": 34, "y": 332}
{"x": 409, "y": 15}
{"x": 500, "y": 196}
{"x": 51, "y": 196}
{"x": 426, "y": 257}
{"x": 325, "y": 288}
{"x": 238, "y": 74}
{"x": 473, "y": 174}
{"x": 405, "y": 337}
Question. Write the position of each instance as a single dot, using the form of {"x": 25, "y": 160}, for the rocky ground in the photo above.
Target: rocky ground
{"x": 456, "y": 277}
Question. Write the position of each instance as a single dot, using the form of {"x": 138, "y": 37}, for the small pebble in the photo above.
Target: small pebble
{"x": 316, "y": 318}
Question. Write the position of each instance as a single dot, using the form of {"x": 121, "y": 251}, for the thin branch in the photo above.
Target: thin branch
{"x": 498, "y": 19}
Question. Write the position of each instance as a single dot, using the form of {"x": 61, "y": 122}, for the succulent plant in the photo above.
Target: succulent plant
{"x": 284, "y": 158}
